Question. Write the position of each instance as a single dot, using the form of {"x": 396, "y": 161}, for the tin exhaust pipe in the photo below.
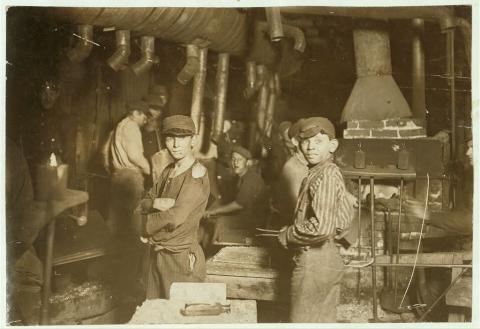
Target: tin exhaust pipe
{"x": 221, "y": 87}
{"x": 119, "y": 60}
{"x": 148, "y": 56}
{"x": 84, "y": 45}
{"x": 191, "y": 66}
{"x": 199, "y": 89}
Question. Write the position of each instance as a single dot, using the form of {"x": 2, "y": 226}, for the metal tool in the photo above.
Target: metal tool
{"x": 267, "y": 232}
{"x": 203, "y": 309}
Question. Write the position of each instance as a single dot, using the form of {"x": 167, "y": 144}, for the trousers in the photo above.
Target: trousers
{"x": 315, "y": 284}
{"x": 165, "y": 267}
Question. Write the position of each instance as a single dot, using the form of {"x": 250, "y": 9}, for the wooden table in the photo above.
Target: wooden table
{"x": 72, "y": 198}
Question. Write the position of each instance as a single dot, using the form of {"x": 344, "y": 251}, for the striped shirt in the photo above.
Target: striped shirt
{"x": 323, "y": 209}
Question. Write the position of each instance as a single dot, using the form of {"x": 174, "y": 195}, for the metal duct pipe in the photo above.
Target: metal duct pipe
{"x": 466, "y": 30}
{"x": 251, "y": 73}
{"x": 199, "y": 89}
{"x": 443, "y": 15}
{"x": 262, "y": 105}
{"x": 274, "y": 20}
{"x": 450, "y": 39}
{"x": 278, "y": 85}
{"x": 84, "y": 46}
{"x": 221, "y": 87}
{"x": 272, "y": 102}
{"x": 418, "y": 70}
{"x": 224, "y": 28}
{"x": 191, "y": 66}
{"x": 375, "y": 95}
{"x": 119, "y": 60}
{"x": 148, "y": 56}
{"x": 297, "y": 35}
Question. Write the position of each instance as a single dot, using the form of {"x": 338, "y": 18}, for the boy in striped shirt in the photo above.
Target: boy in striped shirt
{"x": 323, "y": 213}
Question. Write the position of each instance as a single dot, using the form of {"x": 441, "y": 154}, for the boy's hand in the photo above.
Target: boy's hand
{"x": 163, "y": 204}
{"x": 282, "y": 237}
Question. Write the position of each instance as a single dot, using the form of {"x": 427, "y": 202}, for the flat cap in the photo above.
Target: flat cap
{"x": 178, "y": 125}
{"x": 140, "y": 106}
{"x": 311, "y": 126}
{"x": 242, "y": 151}
{"x": 294, "y": 129}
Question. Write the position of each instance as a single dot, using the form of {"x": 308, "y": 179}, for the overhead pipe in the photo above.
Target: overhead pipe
{"x": 418, "y": 70}
{"x": 221, "y": 87}
{"x": 224, "y": 28}
{"x": 251, "y": 77}
{"x": 199, "y": 89}
{"x": 148, "y": 56}
{"x": 274, "y": 20}
{"x": 297, "y": 35}
{"x": 443, "y": 15}
{"x": 119, "y": 60}
{"x": 191, "y": 66}
{"x": 84, "y": 45}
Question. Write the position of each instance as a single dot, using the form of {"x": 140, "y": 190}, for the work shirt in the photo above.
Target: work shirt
{"x": 176, "y": 229}
{"x": 323, "y": 209}
{"x": 126, "y": 147}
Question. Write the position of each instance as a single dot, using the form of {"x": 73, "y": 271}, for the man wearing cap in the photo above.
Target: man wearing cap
{"x": 323, "y": 213}
{"x": 168, "y": 217}
{"x": 250, "y": 203}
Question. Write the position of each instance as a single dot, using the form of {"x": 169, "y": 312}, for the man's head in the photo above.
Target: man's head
{"x": 240, "y": 160}
{"x": 139, "y": 112}
{"x": 49, "y": 92}
{"x": 317, "y": 139}
{"x": 179, "y": 134}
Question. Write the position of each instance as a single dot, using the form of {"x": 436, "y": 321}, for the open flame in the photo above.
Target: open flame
{"x": 53, "y": 160}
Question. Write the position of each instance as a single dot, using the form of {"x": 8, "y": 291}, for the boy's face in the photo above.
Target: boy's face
{"x": 139, "y": 117}
{"x": 179, "y": 146}
{"x": 318, "y": 148}
{"x": 239, "y": 164}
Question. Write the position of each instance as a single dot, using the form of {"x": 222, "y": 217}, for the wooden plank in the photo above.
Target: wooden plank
{"x": 461, "y": 293}
{"x": 236, "y": 270}
{"x": 429, "y": 258}
{"x": 271, "y": 289}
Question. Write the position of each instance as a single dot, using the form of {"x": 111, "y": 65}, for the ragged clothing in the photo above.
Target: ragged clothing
{"x": 323, "y": 208}
{"x": 175, "y": 255}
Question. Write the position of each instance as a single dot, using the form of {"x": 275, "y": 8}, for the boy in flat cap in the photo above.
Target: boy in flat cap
{"x": 169, "y": 216}
{"x": 322, "y": 213}
{"x": 250, "y": 202}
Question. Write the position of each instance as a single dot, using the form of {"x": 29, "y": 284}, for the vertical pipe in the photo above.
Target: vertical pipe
{"x": 274, "y": 20}
{"x": 374, "y": 267}
{"x": 359, "y": 233}
{"x": 397, "y": 260}
{"x": 199, "y": 89}
{"x": 418, "y": 70}
{"x": 251, "y": 77}
{"x": 221, "y": 86}
{"x": 451, "y": 80}
{"x": 272, "y": 101}
{"x": 390, "y": 248}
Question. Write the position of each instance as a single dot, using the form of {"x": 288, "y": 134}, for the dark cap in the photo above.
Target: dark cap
{"x": 242, "y": 151}
{"x": 294, "y": 129}
{"x": 139, "y": 106}
{"x": 178, "y": 125}
{"x": 311, "y": 126}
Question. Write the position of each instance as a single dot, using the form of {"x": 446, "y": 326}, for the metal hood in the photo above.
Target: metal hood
{"x": 375, "y": 95}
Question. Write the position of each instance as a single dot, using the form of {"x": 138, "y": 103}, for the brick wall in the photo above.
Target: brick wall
{"x": 388, "y": 128}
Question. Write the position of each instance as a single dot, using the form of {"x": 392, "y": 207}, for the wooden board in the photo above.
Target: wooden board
{"x": 461, "y": 293}
{"x": 162, "y": 311}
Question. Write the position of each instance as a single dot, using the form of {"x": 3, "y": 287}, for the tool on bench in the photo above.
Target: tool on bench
{"x": 267, "y": 232}
{"x": 203, "y": 309}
